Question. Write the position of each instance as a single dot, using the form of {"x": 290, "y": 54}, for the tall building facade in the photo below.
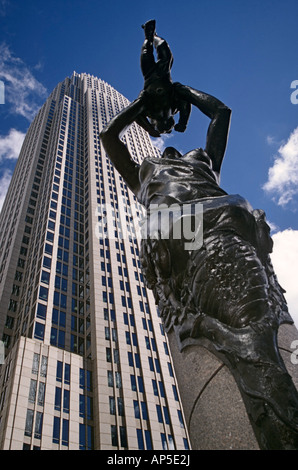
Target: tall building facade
{"x": 87, "y": 364}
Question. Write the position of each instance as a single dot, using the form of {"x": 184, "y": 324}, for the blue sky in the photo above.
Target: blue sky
{"x": 243, "y": 52}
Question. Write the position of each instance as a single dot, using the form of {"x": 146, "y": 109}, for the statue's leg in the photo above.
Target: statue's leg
{"x": 163, "y": 52}
{"x": 147, "y": 58}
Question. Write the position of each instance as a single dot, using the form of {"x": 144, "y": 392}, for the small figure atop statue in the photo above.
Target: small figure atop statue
{"x": 159, "y": 96}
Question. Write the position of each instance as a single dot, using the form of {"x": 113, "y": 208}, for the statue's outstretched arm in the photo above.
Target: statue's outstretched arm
{"x": 220, "y": 116}
{"x": 116, "y": 150}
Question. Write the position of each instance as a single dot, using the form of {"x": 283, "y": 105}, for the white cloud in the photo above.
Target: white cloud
{"x": 4, "y": 184}
{"x": 285, "y": 262}
{"x": 3, "y": 5}
{"x": 10, "y": 145}
{"x": 161, "y": 142}
{"x": 283, "y": 175}
{"x": 23, "y": 92}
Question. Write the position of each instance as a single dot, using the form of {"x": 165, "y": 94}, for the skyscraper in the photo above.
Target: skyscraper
{"x": 87, "y": 363}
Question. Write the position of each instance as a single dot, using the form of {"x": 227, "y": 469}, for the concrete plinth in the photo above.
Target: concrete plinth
{"x": 215, "y": 414}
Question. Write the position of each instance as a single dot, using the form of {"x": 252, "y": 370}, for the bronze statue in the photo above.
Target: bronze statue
{"x": 223, "y": 295}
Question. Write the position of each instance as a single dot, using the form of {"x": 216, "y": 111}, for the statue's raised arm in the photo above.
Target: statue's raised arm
{"x": 219, "y": 114}
{"x": 116, "y": 149}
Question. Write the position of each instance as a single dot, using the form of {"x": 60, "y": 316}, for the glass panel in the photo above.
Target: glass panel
{"x": 43, "y": 367}
{"x": 65, "y": 432}
{"x": 41, "y": 392}
{"x": 29, "y": 423}
{"x": 56, "y": 430}
{"x": 140, "y": 439}
{"x": 66, "y": 401}
{"x": 35, "y": 365}
{"x": 32, "y": 391}
{"x": 114, "y": 435}
{"x": 82, "y": 406}
{"x": 112, "y": 405}
{"x": 38, "y": 425}
{"x": 123, "y": 438}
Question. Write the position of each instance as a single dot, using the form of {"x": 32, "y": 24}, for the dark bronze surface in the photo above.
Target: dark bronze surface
{"x": 223, "y": 295}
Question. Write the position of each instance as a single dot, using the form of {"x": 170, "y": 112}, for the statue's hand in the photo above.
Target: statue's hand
{"x": 180, "y": 127}
{"x": 153, "y": 132}
{"x": 177, "y": 86}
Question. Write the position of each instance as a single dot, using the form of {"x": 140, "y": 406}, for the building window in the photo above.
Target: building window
{"x": 166, "y": 415}
{"x": 170, "y": 369}
{"x": 112, "y": 405}
{"x": 45, "y": 277}
{"x": 180, "y": 418}
{"x": 58, "y": 394}
{"x": 82, "y": 406}
{"x": 43, "y": 366}
{"x": 175, "y": 393}
{"x": 66, "y": 373}
{"x": 120, "y": 407}
{"x": 29, "y": 423}
{"x": 164, "y": 441}
{"x": 144, "y": 411}
{"x": 133, "y": 383}
{"x": 39, "y": 331}
{"x": 59, "y": 371}
{"x": 82, "y": 437}
{"x": 148, "y": 440}
{"x": 114, "y": 435}
{"x": 41, "y": 394}
{"x": 65, "y": 432}
{"x": 38, "y": 425}
{"x": 159, "y": 413}
{"x": 32, "y": 391}
{"x": 41, "y": 311}
{"x": 108, "y": 355}
{"x": 35, "y": 365}
{"x": 161, "y": 389}
{"x": 43, "y": 293}
{"x": 110, "y": 378}
{"x": 130, "y": 359}
{"x": 136, "y": 409}
{"x": 141, "y": 384}
{"x": 185, "y": 442}
{"x": 118, "y": 380}
{"x": 123, "y": 437}
{"x": 151, "y": 366}
{"x": 56, "y": 430}
{"x": 140, "y": 439}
